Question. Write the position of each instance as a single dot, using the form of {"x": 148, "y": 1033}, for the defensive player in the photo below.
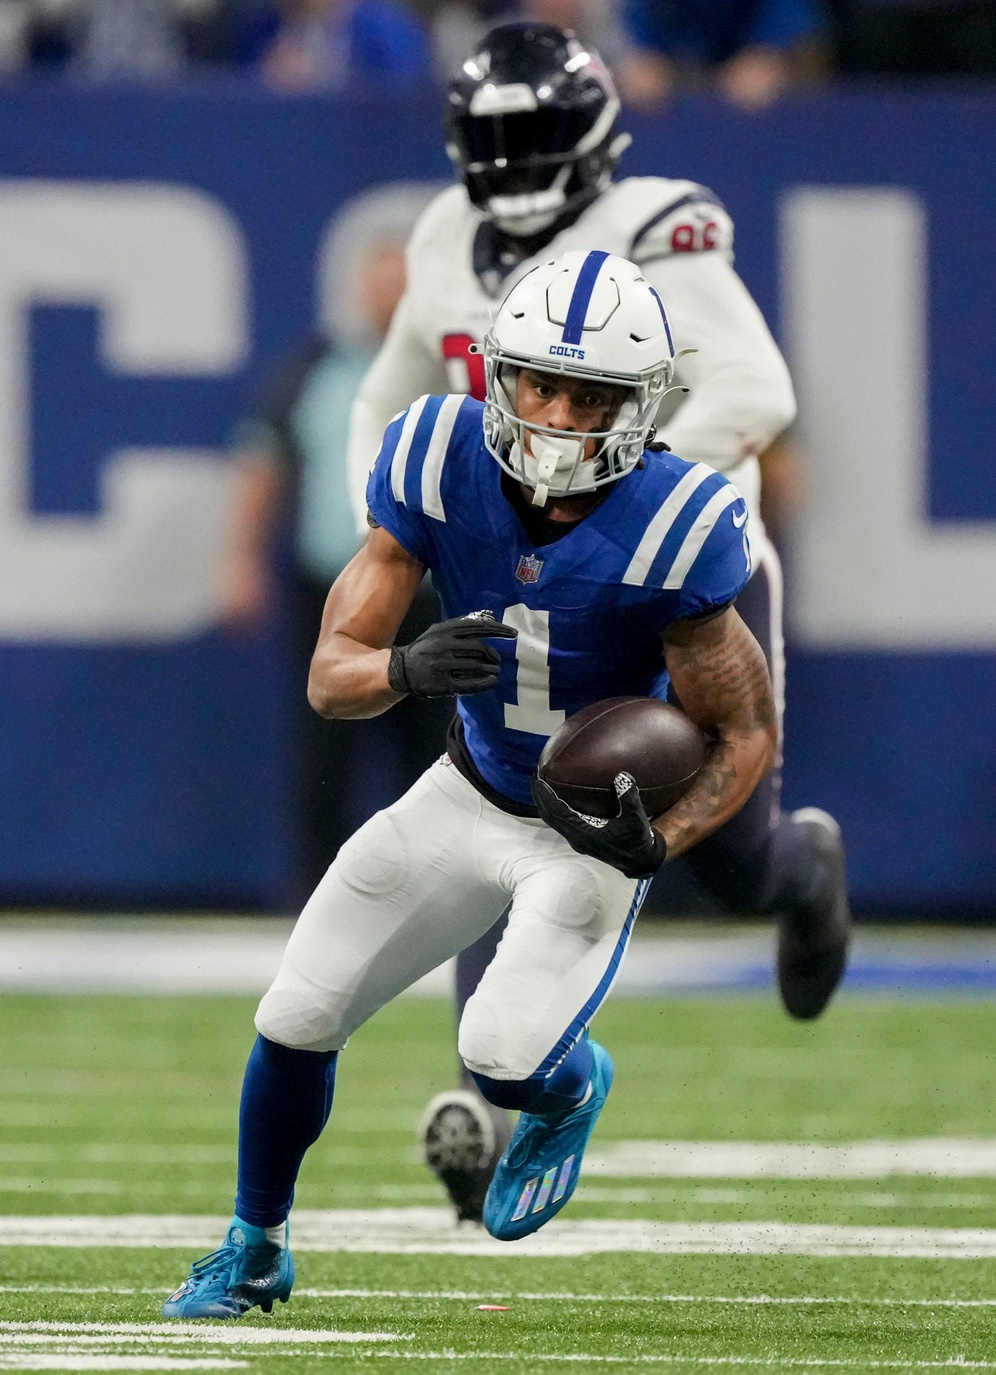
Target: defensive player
{"x": 632, "y": 560}
{"x": 532, "y": 129}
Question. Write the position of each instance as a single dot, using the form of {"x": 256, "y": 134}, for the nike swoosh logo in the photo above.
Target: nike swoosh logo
{"x": 741, "y": 521}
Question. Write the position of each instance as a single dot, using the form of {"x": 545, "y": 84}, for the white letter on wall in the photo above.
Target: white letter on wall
{"x": 165, "y": 266}
{"x": 871, "y": 569}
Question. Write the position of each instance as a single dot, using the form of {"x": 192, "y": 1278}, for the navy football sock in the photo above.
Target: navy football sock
{"x": 286, "y": 1101}
{"x": 544, "y": 1096}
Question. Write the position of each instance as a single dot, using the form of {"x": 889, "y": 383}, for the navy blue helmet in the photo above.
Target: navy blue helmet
{"x": 532, "y": 126}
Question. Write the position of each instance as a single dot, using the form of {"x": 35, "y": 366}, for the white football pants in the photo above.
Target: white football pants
{"x": 422, "y": 880}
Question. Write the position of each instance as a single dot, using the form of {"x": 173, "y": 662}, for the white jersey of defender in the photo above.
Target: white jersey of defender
{"x": 740, "y": 394}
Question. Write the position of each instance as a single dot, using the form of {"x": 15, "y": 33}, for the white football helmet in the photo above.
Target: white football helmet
{"x": 591, "y": 315}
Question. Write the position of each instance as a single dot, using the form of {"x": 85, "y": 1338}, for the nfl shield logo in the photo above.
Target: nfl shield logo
{"x": 529, "y": 568}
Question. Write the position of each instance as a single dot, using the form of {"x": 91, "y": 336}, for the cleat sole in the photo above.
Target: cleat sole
{"x": 462, "y": 1139}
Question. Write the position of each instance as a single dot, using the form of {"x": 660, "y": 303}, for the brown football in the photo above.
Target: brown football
{"x": 658, "y": 744}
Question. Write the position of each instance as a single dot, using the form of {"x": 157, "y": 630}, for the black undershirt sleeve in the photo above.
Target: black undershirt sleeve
{"x": 709, "y": 614}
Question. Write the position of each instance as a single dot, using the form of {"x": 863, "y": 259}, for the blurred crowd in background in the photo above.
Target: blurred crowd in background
{"x": 751, "y": 51}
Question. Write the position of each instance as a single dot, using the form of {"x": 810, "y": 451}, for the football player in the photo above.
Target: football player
{"x": 637, "y": 556}
{"x": 532, "y": 129}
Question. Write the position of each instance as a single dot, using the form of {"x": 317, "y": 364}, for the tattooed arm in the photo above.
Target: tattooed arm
{"x": 721, "y": 678}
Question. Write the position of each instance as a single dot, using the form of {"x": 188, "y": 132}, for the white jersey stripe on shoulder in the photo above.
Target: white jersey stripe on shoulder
{"x": 435, "y": 455}
{"x": 656, "y": 532}
{"x": 400, "y": 460}
{"x": 699, "y": 533}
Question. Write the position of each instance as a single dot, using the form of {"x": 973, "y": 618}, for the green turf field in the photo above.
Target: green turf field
{"x": 127, "y": 1106}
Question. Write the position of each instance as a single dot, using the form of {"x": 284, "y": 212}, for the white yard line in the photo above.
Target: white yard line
{"x": 17, "y": 1333}
{"x": 114, "y": 1363}
{"x": 73, "y": 1336}
{"x": 589, "y": 1193}
{"x": 940, "y": 1158}
{"x": 721, "y": 1299}
{"x": 434, "y": 1193}
{"x": 934, "y": 1157}
{"x": 432, "y": 1231}
{"x": 468, "y": 1296}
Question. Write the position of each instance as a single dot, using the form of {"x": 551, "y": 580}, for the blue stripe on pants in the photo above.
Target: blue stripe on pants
{"x": 578, "y": 1026}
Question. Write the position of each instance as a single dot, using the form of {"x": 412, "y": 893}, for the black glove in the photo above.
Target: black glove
{"x": 450, "y": 658}
{"x": 628, "y": 841}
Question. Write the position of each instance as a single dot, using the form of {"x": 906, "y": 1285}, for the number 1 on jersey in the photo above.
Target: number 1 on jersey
{"x": 531, "y": 712}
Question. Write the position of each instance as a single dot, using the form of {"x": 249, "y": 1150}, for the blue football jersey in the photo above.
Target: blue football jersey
{"x": 668, "y": 541}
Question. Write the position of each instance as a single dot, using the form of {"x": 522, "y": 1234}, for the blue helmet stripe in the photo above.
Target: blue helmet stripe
{"x": 667, "y": 327}
{"x": 583, "y": 287}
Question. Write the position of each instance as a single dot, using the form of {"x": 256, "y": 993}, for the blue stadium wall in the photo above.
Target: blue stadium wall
{"x": 161, "y": 248}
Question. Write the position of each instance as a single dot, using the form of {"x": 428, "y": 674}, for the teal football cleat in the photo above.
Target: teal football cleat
{"x": 247, "y": 1270}
{"x": 539, "y": 1172}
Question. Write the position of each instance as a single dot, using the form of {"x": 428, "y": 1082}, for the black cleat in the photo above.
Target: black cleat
{"x": 813, "y": 940}
{"x": 463, "y": 1138}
